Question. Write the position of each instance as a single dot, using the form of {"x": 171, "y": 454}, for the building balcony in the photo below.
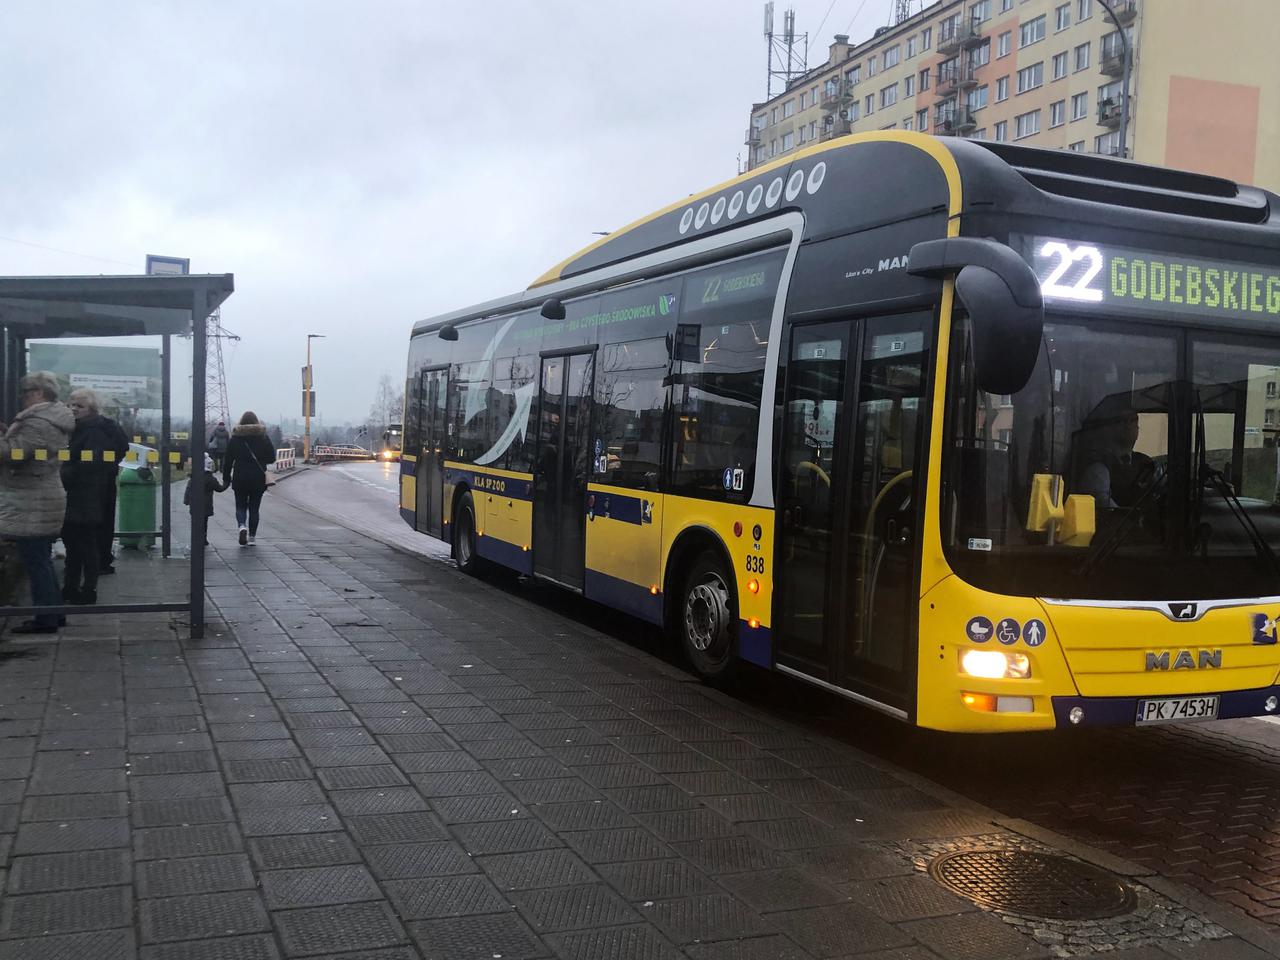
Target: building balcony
{"x": 1109, "y": 113}
{"x": 836, "y": 128}
{"x": 957, "y": 37}
{"x": 954, "y": 78}
{"x": 1112, "y": 63}
{"x": 1126, "y": 11}
{"x": 953, "y": 122}
{"x": 753, "y": 137}
{"x": 835, "y": 96}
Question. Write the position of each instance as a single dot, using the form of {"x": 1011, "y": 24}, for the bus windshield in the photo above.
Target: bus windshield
{"x": 1171, "y": 431}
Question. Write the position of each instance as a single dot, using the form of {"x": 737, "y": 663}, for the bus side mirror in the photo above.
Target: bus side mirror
{"x": 1002, "y": 295}
{"x": 448, "y": 332}
{"x": 552, "y": 309}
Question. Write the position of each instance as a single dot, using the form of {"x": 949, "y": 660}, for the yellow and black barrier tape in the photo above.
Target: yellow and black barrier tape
{"x": 90, "y": 456}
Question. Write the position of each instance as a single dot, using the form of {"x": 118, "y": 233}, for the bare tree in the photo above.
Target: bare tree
{"x": 388, "y": 405}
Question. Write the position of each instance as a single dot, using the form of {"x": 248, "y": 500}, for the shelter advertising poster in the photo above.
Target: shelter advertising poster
{"x": 127, "y": 378}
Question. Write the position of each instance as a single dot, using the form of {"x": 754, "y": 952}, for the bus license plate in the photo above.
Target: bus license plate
{"x": 1177, "y": 710}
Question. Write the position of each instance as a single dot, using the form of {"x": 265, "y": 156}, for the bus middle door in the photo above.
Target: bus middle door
{"x": 563, "y": 466}
{"x": 429, "y": 474}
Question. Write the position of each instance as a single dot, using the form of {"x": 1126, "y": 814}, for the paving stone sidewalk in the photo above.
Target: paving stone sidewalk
{"x": 373, "y": 756}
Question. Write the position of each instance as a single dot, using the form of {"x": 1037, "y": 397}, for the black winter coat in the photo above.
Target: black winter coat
{"x": 86, "y": 482}
{"x": 211, "y": 486}
{"x": 248, "y": 454}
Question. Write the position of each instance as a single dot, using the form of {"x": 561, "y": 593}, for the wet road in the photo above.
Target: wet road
{"x": 1195, "y": 803}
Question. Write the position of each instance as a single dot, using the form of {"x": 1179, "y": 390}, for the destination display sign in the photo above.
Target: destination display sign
{"x": 1130, "y": 281}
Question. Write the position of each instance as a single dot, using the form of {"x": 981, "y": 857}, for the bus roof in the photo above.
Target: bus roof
{"x": 861, "y": 180}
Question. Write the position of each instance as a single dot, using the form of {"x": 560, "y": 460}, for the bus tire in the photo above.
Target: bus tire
{"x": 706, "y": 620}
{"x": 465, "y": 557}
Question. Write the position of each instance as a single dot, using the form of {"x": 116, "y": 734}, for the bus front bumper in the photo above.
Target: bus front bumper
{"x": 1125, "y": 711}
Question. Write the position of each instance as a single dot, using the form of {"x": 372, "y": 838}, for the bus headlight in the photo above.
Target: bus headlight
{"x": 995, "y": 664}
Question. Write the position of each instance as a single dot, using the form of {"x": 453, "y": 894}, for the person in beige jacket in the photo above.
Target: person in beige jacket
{"x": 32, "y": 501}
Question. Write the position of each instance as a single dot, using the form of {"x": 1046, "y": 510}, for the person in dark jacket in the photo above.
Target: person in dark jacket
{"x": 107, "y": 528}
{"x": 211, "y": 486}
{"x": 84, "y": 476}
{"x": 244, "y": 469}
{"x": 218, "y": 441}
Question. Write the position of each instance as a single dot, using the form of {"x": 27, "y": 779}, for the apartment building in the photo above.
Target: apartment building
{"x": 1204, "y": 86}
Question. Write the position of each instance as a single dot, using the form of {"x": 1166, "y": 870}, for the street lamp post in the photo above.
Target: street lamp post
{"x": 1127, "y": 54}
{"x": 306, "y": 399}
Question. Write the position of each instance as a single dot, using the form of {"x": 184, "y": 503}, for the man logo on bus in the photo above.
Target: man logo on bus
{"x": 1264, "y": 630}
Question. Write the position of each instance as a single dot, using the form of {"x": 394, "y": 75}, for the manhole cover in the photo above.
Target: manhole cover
{"x": 1033, "y": 884}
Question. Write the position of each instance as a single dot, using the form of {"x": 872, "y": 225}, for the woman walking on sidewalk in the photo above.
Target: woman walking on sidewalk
{"x": 244, "y": 469}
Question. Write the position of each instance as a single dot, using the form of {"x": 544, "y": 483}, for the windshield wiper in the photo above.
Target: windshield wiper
{"x": 1121, "y": 531}
{"x": 1228, "y": 494}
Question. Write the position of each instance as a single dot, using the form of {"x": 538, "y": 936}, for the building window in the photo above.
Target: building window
{"x": 1026, "y": 124}
{"x": 1271, "y": 389}
{"x": 1031, "y": 32}
{"x": 1109, "y": 91}
{"x": 1062, "y": 17}
{"x": 1108, "y": 144}
{"x": 909, "y": 85}
{"x": 922, "y": 119}
{"x": 788, "y": 141}
{"x": 924, "y": 80}
{"x": 977, "y": 99}
{"x": 1002, "y": 130}
{"x": 912, "y": 46}
{"x": 926, "y": 38}
{"x": 1077, "y": 147}
{"x": 1079, "y": 106}
{"x": 1057, "y": 113}
{"x": 813, "y": 97}
{"x": 853, "y": 75}
{"x": 1004, "y": 43}
{"x": 979, "y": 134}
{"x": 813, "y": 129}
{"x": 1084, "y": 10}
{"x": 1059, "y": 65}
{"x": 1006, "y": 5}
{"x": 1029, "y": 78}
{"x": 802, "y": 99}
{"x": 869, "y": 105}
{"x": 871, "y": 65}
{"x": 773, "y": 115}
{"x": 854, "y": 112}
{"x": 892, "y": 56}
{"x": 788, "y": 109}
{"x": 1110, "y": 47}
{"x": 1002, "y": 89}
{"x": 1082, "y": 57}
{"x": 980, "y": 11}
{"x": 889, "y": 96}
{"x": 1269, "y": 417}
{"x": 980, "y": 56}
{"x": 800, "y": 137}
{"x": 773, "y": 148}
{"x": 908, "y": 123}
{"x": 759, "y": 154}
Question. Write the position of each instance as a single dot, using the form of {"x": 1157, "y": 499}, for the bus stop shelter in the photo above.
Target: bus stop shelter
{"x": 121, "y": 306}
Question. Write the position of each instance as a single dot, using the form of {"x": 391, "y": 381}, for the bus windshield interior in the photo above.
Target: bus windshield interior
{"x": 1167, "y": 435}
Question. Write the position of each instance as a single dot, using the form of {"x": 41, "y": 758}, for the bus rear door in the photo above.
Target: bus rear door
{"x": 430, "y": 468}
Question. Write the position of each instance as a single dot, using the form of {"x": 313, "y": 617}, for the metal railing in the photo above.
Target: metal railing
{"x": 330, "y": 454}
{"x": 286, "y": 459}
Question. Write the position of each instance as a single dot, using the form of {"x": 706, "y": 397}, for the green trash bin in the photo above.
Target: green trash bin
{"x": 136, "y": 506}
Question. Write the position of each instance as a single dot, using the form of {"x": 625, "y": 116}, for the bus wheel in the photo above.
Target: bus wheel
{"x": 706, "y": 619}
{"x": 464, "y": 536}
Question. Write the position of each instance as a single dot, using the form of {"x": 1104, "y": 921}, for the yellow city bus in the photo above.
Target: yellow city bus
{"x": 981, "y": 436}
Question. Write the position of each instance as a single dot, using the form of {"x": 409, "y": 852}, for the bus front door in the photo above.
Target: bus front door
{"x": 563, "y": 467}
{"x": 848, "y": 504}
{"x": 430, "y": 468}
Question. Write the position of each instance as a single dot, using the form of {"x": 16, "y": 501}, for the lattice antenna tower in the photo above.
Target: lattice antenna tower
{"x": 216, "y": 405}
{"x": 901, "y": 11}
{"x": 788, "y": 51}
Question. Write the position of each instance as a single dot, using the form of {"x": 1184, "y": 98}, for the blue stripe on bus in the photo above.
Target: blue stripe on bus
{"x": 1123, "y": 711}
{"x": 408, "y": 468}
{"x": 409, "y": 516}
{"x": 755, "y": 644}
{"x": 513, "y": 488}
{"x": 616, "y": 506}
{"x": 623, "y": 595}
{"x": 507, "y": 554}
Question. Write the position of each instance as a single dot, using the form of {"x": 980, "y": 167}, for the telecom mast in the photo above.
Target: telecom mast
{"x": 901, "y": 11}
{"x": 788, "y": 53}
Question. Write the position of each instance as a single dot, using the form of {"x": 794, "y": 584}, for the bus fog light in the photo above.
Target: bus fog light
{"x": 1076, "y": 714}
{"x": 995, "y": 664}
{"x": 1271, "y": 704}
{"x": 1015, "y": 705}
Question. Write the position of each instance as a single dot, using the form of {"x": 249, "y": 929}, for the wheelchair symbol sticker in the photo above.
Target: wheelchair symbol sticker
{"x": 1033, "y": 632}
{"x": 1008, "y": 630}
{"x": 978, "y": 629}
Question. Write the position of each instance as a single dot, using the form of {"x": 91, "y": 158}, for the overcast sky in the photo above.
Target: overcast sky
{"x": 361, "y": 166}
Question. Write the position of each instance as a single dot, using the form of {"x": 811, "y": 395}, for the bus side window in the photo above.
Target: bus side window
{"x": 631, "y": 399}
